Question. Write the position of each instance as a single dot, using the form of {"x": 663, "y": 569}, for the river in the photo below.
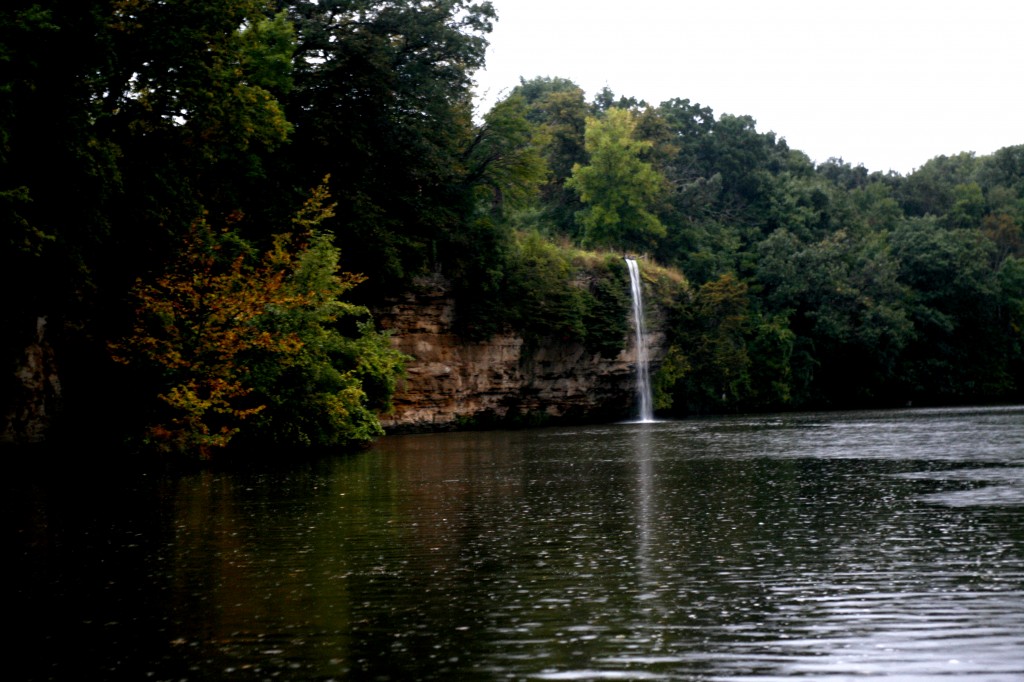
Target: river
{"x": 827, "y": 546}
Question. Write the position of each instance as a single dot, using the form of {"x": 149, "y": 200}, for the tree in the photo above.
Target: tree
{"x": 846, "y": 308}
{"x": 382, "y": 102}
{"x": 717, "y": 351}
{"x": 58, "y": 174}
{"x": 232, "y": 340}
{"x": 618, "y": 187}
{"x": 746, "y": 160}
{"x": 120, "y": 121}
{"x": 968, "y": 206}
{"x": 502, "y": 174}
{"x": 502, "y": 165}
{"x": 194, "y": 100}
{"x": 558, "y": 110}
{"x": 929, "y": 189}
{"x": 959, "y": 350}
{"x": 684, "y": 129}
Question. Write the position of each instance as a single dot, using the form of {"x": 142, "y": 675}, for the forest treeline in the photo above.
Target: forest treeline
{"x": 204, "y": 200}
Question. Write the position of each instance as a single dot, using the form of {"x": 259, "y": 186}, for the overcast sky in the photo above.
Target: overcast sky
{"x": 886, "y": 83}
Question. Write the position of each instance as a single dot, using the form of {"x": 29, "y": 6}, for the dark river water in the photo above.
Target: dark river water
{"x": 823, "y": 546}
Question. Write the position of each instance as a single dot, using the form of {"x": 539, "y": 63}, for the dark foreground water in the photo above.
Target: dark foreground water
{"x": 822, "y": 546}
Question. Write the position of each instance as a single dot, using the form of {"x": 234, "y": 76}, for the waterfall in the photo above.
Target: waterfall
{"x": 643, "y": 376}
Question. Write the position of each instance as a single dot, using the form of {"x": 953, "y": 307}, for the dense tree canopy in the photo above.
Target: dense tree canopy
{"x": 847, "y": 287}
{"x": 382, "y": 102}
{"x": 174, "y": 112}
{"x": 151, "y": 177}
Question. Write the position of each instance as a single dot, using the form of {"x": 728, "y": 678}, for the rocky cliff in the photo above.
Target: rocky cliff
{"x": 454, "y": 383}
{"x": 32, "y": 393}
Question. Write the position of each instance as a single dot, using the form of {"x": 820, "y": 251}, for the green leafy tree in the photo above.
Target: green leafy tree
{"x": 695, "y": 239}
{"x": 747, "y": 161}
{"x": 382, "y": 102}
{"x": 842, "y": 174}
{"x": 545, "y": 303}
{"x": 847, "y": 309}
{"x": 502, "y": 164}
{"x": 618, "y": 187}
{"x": 1006, "y": 234}
{"x": 239, "y": 343}
{"x": 558, "y": 110}
{"x": 717, "y": 351}
{"x": 193, "y": 99}
{"x": 875, "y": 207}
{"x": 502, "y": 173}
{"x": 343, "y": 373}
{"x": 58, "y": 172}
{"x": 807, "y": 206}
{"x": 929, "y": 189}
{"x": 960, "y": 343}
{"x": 725, "y": 188}
{"x": 726, "y": 355}
{"x": 1011, "y": 317}
{"x": 120, "y": 120}
{"x": 968, "y": 206}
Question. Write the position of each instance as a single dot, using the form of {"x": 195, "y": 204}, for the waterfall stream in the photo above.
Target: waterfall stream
{"x": 645, "y": 402}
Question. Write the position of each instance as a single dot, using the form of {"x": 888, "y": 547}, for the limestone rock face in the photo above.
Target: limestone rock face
{"x": 453, "y": 382}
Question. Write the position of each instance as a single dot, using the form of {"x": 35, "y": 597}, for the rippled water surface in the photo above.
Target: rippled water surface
{"x": 822, "y": 546}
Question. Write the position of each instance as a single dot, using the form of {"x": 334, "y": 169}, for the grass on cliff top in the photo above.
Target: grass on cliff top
{"x": 564, "y": 292}
{"x": 597, "y": 259}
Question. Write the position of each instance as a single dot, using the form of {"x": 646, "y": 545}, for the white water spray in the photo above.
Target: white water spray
{"x": 643, "y": 376}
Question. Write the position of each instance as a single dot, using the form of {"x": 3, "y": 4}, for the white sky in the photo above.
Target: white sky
{"x": 887, "y": 83}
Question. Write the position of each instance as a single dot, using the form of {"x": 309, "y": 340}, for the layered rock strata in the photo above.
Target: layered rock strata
{"x": 453, "y": 383}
